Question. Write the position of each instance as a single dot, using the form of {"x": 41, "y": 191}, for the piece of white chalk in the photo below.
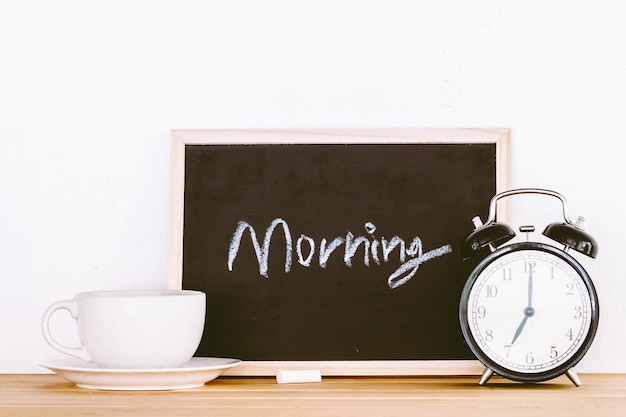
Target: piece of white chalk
{"x": 298, "y": 376}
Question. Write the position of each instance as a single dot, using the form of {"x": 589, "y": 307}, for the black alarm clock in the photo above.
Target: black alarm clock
{"x": 529, "y": 311}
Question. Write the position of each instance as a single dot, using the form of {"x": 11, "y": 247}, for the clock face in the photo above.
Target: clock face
{"x": 529, "y": 311}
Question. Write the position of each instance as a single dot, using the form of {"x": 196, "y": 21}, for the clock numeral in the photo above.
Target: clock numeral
{"x": 489, "y": 335}
{"x": 507, "y": 274}
{"x": 492, "y": 291}
{"x": 553, "y": 352}
{"x": 551, "y": 272}
{"x": 578, "y": 312}
{"x": 570, "y": 334}
{"x": 570, "y": 288}
{"x": 529, "y": 266}
{"x": 530, "y": 358}
{"x": 481, "y": 312}
{"x": 508, "y": 350}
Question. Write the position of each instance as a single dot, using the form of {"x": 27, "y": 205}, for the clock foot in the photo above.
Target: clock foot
{"x": 574, "y": 378}
{"x": 487, "y": 374}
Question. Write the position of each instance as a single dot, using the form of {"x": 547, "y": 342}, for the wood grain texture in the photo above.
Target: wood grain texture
{"x": 50, "y": 395}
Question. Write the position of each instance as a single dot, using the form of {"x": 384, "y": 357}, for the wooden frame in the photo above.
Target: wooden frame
{"x": 180, "y": 138}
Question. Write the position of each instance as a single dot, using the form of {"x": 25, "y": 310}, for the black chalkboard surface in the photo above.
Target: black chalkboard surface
{"x": 330, "y": 251}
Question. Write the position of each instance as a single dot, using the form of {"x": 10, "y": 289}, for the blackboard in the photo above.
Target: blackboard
{"x": 333, "y": 247}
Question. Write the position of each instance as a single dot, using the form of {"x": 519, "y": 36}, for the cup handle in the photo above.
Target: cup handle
{"x": 71, "y": 306}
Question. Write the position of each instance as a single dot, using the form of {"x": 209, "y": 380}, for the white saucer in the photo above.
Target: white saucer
{"x": 193, "y": 374}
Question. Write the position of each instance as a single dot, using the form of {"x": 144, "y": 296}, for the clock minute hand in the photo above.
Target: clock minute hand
{"x": 528, "y": 311}
{"x": 530, "y": 288}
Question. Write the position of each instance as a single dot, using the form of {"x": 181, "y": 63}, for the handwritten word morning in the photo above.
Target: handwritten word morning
{"x": 379, "y": 250}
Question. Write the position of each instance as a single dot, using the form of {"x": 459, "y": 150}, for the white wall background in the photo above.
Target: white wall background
{"x": 89, "y": 92}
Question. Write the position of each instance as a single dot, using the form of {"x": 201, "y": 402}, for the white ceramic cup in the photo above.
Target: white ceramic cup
{"x": 132, "y": 329}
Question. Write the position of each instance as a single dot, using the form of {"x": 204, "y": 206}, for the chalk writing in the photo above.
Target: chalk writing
{"x": 305, "y": 249}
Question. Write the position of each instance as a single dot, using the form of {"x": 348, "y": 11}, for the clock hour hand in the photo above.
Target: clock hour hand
{"x": 519, "y": 329}
{"x": 528, "y": 312}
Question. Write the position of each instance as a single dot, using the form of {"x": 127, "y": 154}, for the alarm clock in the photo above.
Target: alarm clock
{"x": 528, "y": 311}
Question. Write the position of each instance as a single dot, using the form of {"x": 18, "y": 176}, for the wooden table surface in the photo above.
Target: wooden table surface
{"x": 50, "y": 395}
